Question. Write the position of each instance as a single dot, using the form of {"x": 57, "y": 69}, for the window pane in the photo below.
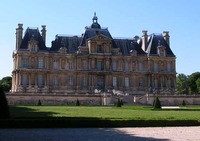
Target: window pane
{"x": 114, "y": 81}
{"x": 114, "y": 65}
{"x": 40, "y": 63}
{"x": 40, "y": 80}
{"x": 126, "y": 82}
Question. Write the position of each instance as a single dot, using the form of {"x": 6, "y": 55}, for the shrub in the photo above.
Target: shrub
{"x": 183, "y": 103}
{"x": 77, "y": 103}
{"x": 156, "y": 103}
{"x": 119, "y": 104}
{"x": 39, "y": 103}
{"x": 122, "y": 103}
{"x": 4, "y": 109}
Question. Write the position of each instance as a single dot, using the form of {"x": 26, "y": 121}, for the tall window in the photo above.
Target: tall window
{"x": 84, "y": 81}
{"x": 40, "y": 81}
{"x": 99, "y": 49}
{"x": 141, "y": 82}
{"x": 114, "y": 65}
{"x": 114, "y": 81}
{"x": 24, "y": 80}
{"x": 155, "y": 66}
{"x": 70, "y": 65}
{"x": 55, "y": 64}
{"x": 40, "y": 63}
{"x": 156, "y": 83}
{"x": 126, "y": 66}
{"x": 24, "y": 62}
{"x": 100, "y": 65}
{"x": 84, "y": 65}
{"x": 141, "y": 66}
{"x": 55, "y": 81}
{"x": 126, "y": 82}
{"x": 169, "y": 83}
{"x": 168, "y": 67}
{"x": 70, "y": 80}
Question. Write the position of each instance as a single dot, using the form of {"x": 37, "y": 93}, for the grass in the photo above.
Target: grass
{"x": 99, "y": 116}
{"x": 106, "y": 112}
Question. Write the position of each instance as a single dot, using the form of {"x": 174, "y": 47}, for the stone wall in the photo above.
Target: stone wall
{"x": 14, "y": 99}
{"x": 98, "y": 99}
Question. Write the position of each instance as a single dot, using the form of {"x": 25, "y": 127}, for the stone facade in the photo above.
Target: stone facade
{"x": 92, "y": 63}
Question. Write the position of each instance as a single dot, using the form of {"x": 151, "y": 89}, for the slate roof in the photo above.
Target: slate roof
{"x": 71, "y": 43}
{"x": 32, "y": 33}
{"x": 126, "y": 45}
{"x": 156, "y": 40}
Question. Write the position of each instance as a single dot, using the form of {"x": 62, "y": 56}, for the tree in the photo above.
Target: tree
{"x": 183, "y": 103}
{"x": 6, "y": 83}
{"x": 77, "y": 103}
{"x": 119, "y": 104}
{"x": 39, "y": 103}
{"x": 192, "y": 82}
{"x": 198, "y": 85}
{"x": 156, "y": 103}
{"x": 4, "y": 109}
{"x": 182, "y": 84}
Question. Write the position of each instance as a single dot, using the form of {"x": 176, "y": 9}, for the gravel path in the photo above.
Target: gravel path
{"x": 103, "y": 134}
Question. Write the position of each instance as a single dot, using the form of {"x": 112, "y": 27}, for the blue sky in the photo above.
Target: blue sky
{"x": 124, "y": 18}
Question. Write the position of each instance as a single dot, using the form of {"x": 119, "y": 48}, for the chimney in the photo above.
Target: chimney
{"x": 166, "y": 36}
{"x": 44, "y": 33}
{"x": 19, "y": 34}
{"x": 144, "y": 40}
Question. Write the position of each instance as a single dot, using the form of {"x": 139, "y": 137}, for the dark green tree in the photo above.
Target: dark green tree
{"x": 198, "y": 85}
{"x": 4, "y": 108}
{"x": 156, "y": 103}
{"x": 182, "y": 84}
{"x": 183, "y": 103}
{"x": 39, "y": 103}
{"x": 192, "y": 82}
{"x": 6, "y": 83}
{"x": 77, "y": 103}
{"x": 119, "y": 104}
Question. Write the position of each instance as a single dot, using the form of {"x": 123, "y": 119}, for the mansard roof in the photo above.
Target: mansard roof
{"x": 91, "y": 32}
{"x": 156, "y": 40}
{"x": 70, "y": 42}
{"x": 32, "y": 33}
{"x": 126, "y": 45}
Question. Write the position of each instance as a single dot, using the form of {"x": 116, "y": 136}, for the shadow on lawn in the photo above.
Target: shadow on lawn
{"x": 25, "y": 112}
{"x": 76, "y": 134}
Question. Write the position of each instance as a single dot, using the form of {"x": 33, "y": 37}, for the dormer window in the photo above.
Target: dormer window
{"x": 33, "y": 45}
{"x": 161, "y": 50}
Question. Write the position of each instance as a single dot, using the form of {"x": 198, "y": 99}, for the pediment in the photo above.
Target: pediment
{"x": 100, "y": 37}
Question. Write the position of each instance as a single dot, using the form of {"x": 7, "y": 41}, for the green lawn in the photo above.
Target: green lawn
{"x": 106, "y": 112}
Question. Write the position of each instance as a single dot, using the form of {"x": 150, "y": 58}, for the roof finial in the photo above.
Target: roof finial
{"x": 95, "y": 18}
